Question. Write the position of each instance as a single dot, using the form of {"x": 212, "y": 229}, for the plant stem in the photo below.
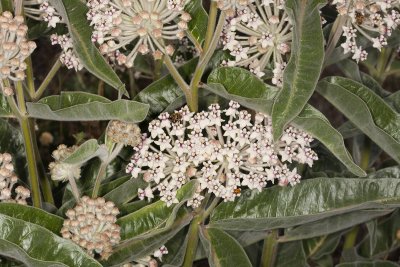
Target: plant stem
{"x": 350, "y": 239}
{"x": 49, "y": 77}
{"x": 269, "y": 249}
{"x": 212, "y": 19}
{"x": 193, "y": 241}
{"x": 99, "y": 178}
{"x": 29, "y": 78}
{"x": 74, "y": 189}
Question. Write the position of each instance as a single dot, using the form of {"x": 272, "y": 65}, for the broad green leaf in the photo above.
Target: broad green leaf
{"x": 88, "y": 150}
{"x": 318, "y": 247}
{"x": 125, "y": 192}
{"x": 222, "y": 249}
{"x": 80, "y": 106}
{"x": 303, "y": 69}
{"x": 311, "y": 200}
{"x": 5, "y": 110}
{"x": 74, "y": 14}
{"x": 232, "y": 83}
{"x": 34, "y": 215}
{"x": 332, "y": 224}
{"x": 197, "y": 26}
{"x": 136, "y": 248}
{"x": 291, "y": 254}
{"x": 370, "y": 113}
{"x": 33, "y": 244}
{"x": 151, "y": 218}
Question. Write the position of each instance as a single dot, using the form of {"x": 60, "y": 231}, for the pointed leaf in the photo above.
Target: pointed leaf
{"x": 88, "y": 150}
{"x": 197, "y": 26}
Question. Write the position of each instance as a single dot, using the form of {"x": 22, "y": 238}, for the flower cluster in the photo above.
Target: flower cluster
{"x": 124, "y": 133}
{"x": 144, "y": 25}
{"x": 42, "y": 10}
{"x": 373, "y": 19}
{"x": 224, "y": 149}
{"x": 14, "y": 47}
{"x": 91, "y": 225}
{"x": 232, "y": 5}
{"x": 258, "y": 36}
{"x": 148, "y": 261}
{"x": 8, "y": 180}
{"x": 61, "y": 171}
{"x": 68, "y": 56}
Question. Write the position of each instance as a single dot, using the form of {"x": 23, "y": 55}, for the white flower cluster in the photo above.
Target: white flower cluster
{"x": 8, "y": 180}
{"x": 14, "y": 47}
{"x": 259, "y": 36}
{"x": 145, "y": 24}
{"x": 373, "y": 19}
{"x": 91, "y": 225}
{"x": 124, "y": 133}
{"x": 148, "y": 261}
{"x": 224, "y": 149}
{"x": 68, "y": 56}
{"x": 61, "y": 171}
{"x": 42, "y": 10}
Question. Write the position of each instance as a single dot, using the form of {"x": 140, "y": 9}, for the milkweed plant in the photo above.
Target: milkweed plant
{"x": 199, "y": 133}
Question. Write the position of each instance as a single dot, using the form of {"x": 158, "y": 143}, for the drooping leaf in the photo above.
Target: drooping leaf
{"x": 303, "y": 69}
{"x": 370, "y": 113}
{"x": 197, "y": 26}
{"x": 80, "y": 106}
{"x": 74, "y": 14}
{"x": 222, "y": 249}
{"x": 88, "y": 150}
{"x": 235, "y": 84}
{"x": 311, "y": 200}
{"x": 34, "y": 245}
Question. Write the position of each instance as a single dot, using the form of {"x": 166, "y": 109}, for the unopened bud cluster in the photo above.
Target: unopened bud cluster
{"x": 124, "y": 133}
{"x": 14, "y": 47}
{"x": 8, "y": 180}
{"x": 225, "y": 150}
{"x": 91, "y": 225}
{"x": 147, "y": 26}
{"x": 61, "y": 171}
{"x": 258, "y": 35}
{"x": 375, "y": 20}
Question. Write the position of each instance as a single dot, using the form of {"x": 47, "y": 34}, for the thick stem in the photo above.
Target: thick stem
{"x": 193, "y": 241}
{"x": 212, "y": 19}
{"x": 351, "y": 238}
{"x": 29, "y": 78}
{"x": 100, "y": 176}
{"x": 47, "y": 80}
{"x": 269, "y": 250}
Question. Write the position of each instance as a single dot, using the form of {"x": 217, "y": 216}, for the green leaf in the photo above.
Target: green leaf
{"x": 149, "y": 219}
{"x": 197, "y": 26}
{"x": 5, "y": 110}
{"x": 34, "y": 215}
{"x": 291, "y": 254}
{"x": 318, "y": 247}
{"x": 311, "y": 200}
{"x": 367, "y": 263}
{"x": 302, "y": 72}
{"x": 74, "y": 14}
{"x": 80, "y": 106}
{"x": 223, "y": 250}
{"x": 88, "y": 150}
{"x": 32, "y": 244}
{"x": 125, "y": 192}
{"x": 370, "y": 113}
{"x": 231, "y": 83}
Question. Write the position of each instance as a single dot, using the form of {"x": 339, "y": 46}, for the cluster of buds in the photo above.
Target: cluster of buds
{"x": 68, "y": 56}
{"x": 41, "y": 10}
{"x": 120, "y": 132}
{"x": 149, "y": 261}
{"x": 232, "y": 6}
{"x": 14, "y": 47}
{"x": 8, "y": 180}
{"x": 225, "y": 150}
{"x": 91, "y": 225}
{"x": 373, "y": 19}
{"x": 146, "y": 25}
{"x": 259, "y": 35}
{"x": 61, "y": 171}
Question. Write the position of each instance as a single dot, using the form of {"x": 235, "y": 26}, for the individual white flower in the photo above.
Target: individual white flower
{"x": 42, "y": 10}
{"x": 160, "y": 252}
{"x": 373, "y": 19}
{"x": 14, "y": 47}
{"x": 258, "y": 36}
{"x": 146, "y": 25}
{"x": 91, "y": 225}
{"x": 225, "y": 150}
{"x": 8, "y": 180}
{"x": 61, "y": 171}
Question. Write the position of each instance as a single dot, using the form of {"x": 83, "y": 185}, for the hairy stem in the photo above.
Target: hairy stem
{"x": 74, "y": 189}
{"x": 99, "y": 178}
{"x": 193, "y": 241}
{"x": 49, "y": 77}
{"x": 269, "y": 250}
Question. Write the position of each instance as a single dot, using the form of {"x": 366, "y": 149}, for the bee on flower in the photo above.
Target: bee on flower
{"x": 225, "y": 150}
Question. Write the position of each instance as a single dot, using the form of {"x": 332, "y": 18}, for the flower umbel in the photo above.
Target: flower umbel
{"x": 91, "y": 225}
{"x": 8, "y": 180}
{"x": 61, "y": 171}
{"x": 145, "y": 25}
{"x": 124, "y": 133}
{"x": 259, "y": 36}
{"x": 14, "y": 47}
{"x": 225, "y": 150}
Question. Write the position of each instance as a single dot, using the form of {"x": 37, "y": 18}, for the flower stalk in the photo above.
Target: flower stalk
{"x": 269, "y": 250}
